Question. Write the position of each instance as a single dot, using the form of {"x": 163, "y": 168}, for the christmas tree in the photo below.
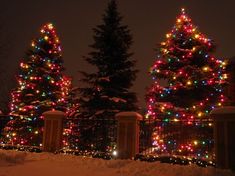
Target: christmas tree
{"x": 71, "y": 129}
{"x": 41, "y": 87}
{"x": 107, "y": 89}
{"x": 188, "y": 84}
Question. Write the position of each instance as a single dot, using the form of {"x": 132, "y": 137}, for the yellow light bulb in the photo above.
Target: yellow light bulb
{"x": 195, "y": 142}
{"x": 196, "y": 36}
{"x": 189, "y": 82}
{"x": 205, "y": 69}
{"x": 162, "y": 109}
{"x": 225, "y": 76}
{"x": 199, "y": 114}
{"x": 168, "y": 35}
{"x": 50, "y": 26}
{"x": 46, "y": 37}
{"x": 224, "y": 63}
{"x": 147, "y": 116}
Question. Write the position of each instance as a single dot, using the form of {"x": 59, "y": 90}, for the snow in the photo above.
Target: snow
{"x": 59, "y": 113}
{"x": 116, "y": 99}
{"x": 75, "y": 88}
{"x": 12, "y": 158}
{"x": 85, "y": 99}
{"x": 13, "y": 163}
{"x": 104, "y": 79}
{"x": 99, "y": 112}
{"x": 224, "y": 110}
{"x": 29, "y": 95}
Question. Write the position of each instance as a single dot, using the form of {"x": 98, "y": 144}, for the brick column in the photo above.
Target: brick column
{"x": 224, "y": 136}
{"x": 128, "y": 134}
{"x": 53, "y": 130}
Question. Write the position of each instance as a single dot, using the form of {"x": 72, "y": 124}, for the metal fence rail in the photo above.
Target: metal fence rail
{"x": 3, "y": 121}
{"x": 157, "y": 137}
{"x": 181, "y": 137}
{"x": 92, "y": 134}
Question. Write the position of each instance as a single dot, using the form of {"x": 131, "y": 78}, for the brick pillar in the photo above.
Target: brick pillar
{"x": 53, "y": 130}
{"x": 224, "y": 136}
{"x": 128, "y": 134}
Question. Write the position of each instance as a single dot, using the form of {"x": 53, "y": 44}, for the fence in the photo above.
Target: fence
{"x": 177, "y": 137}
{"x": 156, "y": 137}
{"x": 91, "y": 134}
{"x": 3, "y": 121}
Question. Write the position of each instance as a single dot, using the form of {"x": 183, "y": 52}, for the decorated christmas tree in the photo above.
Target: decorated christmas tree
{"x": 187, "y": 84}
{"x": 71, "y": 129}
{"x": 42, "y": 86}
{"x": 107, "y": 89}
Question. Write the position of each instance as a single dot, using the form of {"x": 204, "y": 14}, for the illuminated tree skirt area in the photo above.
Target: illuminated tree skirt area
{"x": 13, "y": 163}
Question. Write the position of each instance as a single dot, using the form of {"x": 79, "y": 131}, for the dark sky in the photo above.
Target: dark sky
{"x": 149, "y": 21}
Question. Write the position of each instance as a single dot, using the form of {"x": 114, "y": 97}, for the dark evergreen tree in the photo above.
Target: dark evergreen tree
{"x": 5, "y": 88}
{"x": 107, "y": 89}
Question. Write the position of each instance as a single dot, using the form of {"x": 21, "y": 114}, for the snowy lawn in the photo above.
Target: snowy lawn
{"x": 13, "y": 163}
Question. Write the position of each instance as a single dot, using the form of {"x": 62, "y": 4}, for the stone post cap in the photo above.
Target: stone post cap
{"x": 223, "y": 110}
{"x": 54, "y": 114}
{"x": 129, "y": 115}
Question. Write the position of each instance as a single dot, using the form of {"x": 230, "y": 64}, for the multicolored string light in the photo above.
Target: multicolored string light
{"x": 188, "y": 84}
{"x": 41, "y": 87}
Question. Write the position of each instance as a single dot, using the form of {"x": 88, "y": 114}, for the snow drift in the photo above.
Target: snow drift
{"x": 13, "y": 163}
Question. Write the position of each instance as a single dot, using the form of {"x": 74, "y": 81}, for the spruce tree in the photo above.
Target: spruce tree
{"x": 42, "y": 86}
{"x": 107, "y": 89}
{"x": 188, "y": 82}
{"x": 4, "y": 75}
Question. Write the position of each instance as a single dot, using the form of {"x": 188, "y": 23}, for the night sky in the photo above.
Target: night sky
{"x": 148, "y": 20}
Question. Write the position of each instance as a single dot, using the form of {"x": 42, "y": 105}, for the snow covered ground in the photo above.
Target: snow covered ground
{"x": 14, "y": 163}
